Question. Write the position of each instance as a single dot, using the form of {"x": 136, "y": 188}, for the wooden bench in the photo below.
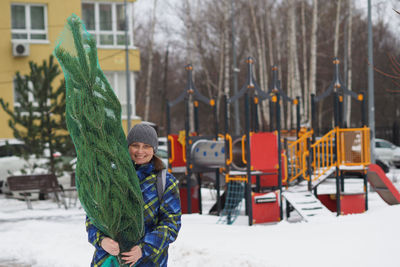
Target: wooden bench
{"x": 36, "y": 183}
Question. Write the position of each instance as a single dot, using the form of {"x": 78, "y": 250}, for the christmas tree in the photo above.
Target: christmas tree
{"x": 107, "y": 183}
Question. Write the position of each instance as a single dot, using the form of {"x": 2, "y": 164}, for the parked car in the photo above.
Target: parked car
{"x": 387, "y": 152}
{"x": 163, "y": 154}
{"x": 162, "y": 141}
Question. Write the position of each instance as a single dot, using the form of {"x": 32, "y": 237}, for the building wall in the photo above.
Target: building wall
{"x": 57, "y": 13}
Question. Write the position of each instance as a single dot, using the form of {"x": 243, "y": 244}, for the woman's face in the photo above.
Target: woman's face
{"x": 141, "y": 153}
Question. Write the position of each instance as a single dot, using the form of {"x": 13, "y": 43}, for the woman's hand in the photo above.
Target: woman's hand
{"x": 110, "y": 246}
{"x": 132, "y": 256}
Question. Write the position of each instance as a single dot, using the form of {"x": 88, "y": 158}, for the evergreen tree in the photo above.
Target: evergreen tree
{"x": 107, "y": 184}
{"x": 39, "y": 119}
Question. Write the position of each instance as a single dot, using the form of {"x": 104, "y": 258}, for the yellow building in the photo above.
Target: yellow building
{"x": 29, "y": 29}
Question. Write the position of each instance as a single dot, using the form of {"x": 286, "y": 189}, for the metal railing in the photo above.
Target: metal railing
{"x": 295, "y": 159}
{"x": 323, "y": 155}
{"x": 339, "y": 147}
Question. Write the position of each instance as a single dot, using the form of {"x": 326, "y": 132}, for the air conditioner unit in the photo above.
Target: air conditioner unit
{"x": 20, "y": 49}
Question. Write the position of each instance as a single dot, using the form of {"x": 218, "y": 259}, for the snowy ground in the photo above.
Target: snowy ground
{"x": 55, "y": 237}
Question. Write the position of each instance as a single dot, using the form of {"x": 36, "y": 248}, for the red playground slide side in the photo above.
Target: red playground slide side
{"x": 381, "y": 183}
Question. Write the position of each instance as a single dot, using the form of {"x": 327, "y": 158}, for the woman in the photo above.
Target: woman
{"x": 162, "y": 217}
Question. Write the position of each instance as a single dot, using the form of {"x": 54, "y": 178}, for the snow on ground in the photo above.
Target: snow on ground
{"x": 49, "y": 236}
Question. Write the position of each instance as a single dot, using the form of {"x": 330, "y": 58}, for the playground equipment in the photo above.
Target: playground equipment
{"x": 261, "y": 172}
{"x": 251, "y": 159}
{"x": 381, "y": 183}
{"x": 185, "y": 157}
{"x": 341, "y": 152}
{"x": 263, "y": 168}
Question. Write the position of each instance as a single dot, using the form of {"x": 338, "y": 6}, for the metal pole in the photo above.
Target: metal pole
{"x": 188, "y": 168}
{"x": 298, "y": 116}
{"x": 248, "y": 157}
{"x": 278, "y": 129}
{"x": 128, "y": 80}
{"x": 235, "y": 71}
{"x": 168, "y": 122}
{"x": 314, "y": 125}
{"x": 346, "y": 98}
{"x": 217, "y": 185}
{"x": 371, "y": 105}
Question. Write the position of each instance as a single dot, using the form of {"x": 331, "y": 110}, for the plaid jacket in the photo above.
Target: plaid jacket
{"x": 162, "y": 221}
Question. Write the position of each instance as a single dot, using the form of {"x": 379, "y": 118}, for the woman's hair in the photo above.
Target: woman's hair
{"x": 158, "y": 163}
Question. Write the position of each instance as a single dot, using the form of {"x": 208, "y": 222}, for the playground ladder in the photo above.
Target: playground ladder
{"x": 307, "y": 205}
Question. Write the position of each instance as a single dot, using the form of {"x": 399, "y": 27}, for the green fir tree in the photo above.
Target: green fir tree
{"x": 107, "y": 183}
{"x": 39, "y": 119}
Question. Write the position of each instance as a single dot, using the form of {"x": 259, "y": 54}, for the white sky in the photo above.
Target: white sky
{"x": 166, "y": 13}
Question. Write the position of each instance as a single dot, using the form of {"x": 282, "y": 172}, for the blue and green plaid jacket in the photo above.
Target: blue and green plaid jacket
{"x": 162, "y": 221}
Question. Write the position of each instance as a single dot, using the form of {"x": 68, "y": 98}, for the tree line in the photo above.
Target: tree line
{"x": 300, "y": 37}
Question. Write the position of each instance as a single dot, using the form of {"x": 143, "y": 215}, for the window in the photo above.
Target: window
{"x": 106, "y": 22}
{"x": 384, "y": 144}
{"x": 117, "y": 81}
{"x": 29, "y": 22}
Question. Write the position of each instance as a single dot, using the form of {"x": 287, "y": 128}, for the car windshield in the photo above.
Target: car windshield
{"x": 384, "y": 144}
{"x": 162, "y": 153}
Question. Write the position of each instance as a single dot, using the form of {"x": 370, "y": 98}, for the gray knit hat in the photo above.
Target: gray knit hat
{"x": 143, "y": 133}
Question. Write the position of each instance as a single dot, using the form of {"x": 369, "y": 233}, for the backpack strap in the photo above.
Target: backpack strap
{"x": 161, "y": 181}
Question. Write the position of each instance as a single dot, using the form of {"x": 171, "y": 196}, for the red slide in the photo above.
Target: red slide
{"x": 381, "y": 183}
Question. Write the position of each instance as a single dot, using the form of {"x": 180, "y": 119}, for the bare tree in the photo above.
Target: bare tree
{"x": 306, "y": 91}
{"x": 337, "y": 24}
{"x": 189, "y": 41}
{"x": 226, "y": 50}
{"x": 150, "y": 66}
{"x": 312, "y": 81}
{"x": 258, "y": 41}
{"x": 349, "y": 61}
{"x": 294, "y": 86}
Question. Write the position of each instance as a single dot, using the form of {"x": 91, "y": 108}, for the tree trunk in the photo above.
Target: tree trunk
{"x": 294, "y": 87}
{"x": 226, "y": 50}
{"x": 269, "y": 34}
{"x": 279, "y": 63}
{"x": 220, "y": 74}
{"x": 296, "y": 72}
{"x": 349, "y": 61}
{"x": 189, "y": 38}
{"x": 306, "y": 91}
{"x": 258, "y": 42}
{"x": 150, "y": 65}
{"x": 263, "y": 113}
{"x": 336, "y": 42}
{"x": 312, "y": 81}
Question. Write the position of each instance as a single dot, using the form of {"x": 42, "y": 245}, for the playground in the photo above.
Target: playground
{"x": 277, "y": 197}
{"x": 279, "y": 172}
